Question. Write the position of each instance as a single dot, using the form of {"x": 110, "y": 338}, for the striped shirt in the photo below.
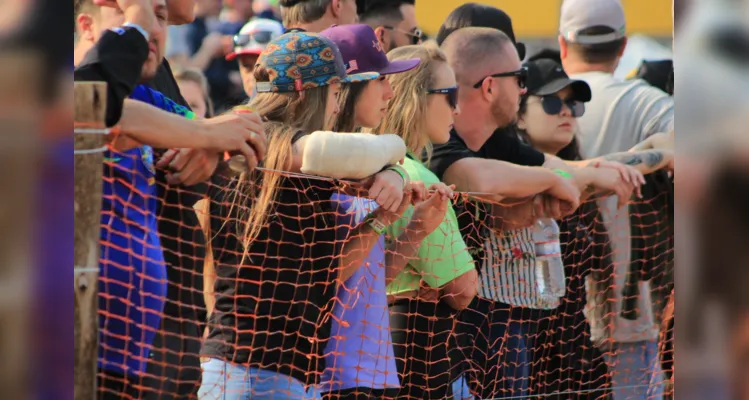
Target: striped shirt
{"x": 508, "y": 270}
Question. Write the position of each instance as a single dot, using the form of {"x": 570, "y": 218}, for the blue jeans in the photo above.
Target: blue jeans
{"x": 226, "y": 381}
{"x": 461, "y": 390}
{"x": 635, "y": 371}
{"x": 511, "y": 345}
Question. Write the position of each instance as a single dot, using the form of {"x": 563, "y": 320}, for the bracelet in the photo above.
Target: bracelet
{"x": 562, "y": 173}
{"x": 400, "y": 171}
{"x": 376, "y": 225}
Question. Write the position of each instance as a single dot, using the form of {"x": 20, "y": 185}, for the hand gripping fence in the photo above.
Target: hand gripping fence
{"x": 268, "y": 312}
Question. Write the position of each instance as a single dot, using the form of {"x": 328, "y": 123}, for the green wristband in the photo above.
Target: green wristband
{"x": 562, "y": 173}
{"x": 400, "y": 171}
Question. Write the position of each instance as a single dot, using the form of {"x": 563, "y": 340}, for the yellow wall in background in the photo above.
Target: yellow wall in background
{"x": 540, "y": 18}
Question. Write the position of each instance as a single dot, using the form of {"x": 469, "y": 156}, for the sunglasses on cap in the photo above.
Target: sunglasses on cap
{"x": 521, "y": 75}
{"x": 451, "y": 92}
{"x": 552, "y": 105}
{"x": 417, "y": 35}
{"x": 261, "y": 37}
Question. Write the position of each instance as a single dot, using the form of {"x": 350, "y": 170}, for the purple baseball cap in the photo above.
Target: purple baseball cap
{"x": 362, "y": 51}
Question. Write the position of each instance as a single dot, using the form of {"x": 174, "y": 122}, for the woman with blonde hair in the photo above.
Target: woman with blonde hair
{"x": 421, "y": 112}
{"x": 277, "y": 248}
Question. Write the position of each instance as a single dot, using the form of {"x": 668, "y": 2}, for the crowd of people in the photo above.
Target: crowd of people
{"x": 315, "y": 200}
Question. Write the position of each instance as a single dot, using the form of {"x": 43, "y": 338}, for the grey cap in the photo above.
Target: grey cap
{"x": 578, "y": 15}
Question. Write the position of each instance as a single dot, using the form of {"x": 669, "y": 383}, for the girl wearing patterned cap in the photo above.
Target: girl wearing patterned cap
{"x": 279, "y": 252}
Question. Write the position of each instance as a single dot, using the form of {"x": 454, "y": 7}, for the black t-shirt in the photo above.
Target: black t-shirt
{"x": 273, "y": 311}
{"x": 503, "y": 145}
{"x": 117, "y": 59}
{"x": 181, "y": 237}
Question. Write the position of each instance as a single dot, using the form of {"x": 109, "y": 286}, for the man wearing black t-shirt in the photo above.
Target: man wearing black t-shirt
{"x": 482, "y": 156}
{"x": 174, "y": 366}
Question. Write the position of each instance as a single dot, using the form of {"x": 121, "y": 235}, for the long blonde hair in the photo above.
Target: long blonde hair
{"x": 407, "y": 111}
{"x": 285, "y": 115}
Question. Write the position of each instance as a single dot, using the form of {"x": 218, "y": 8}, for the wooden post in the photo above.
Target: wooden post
{"x": 90, "y": 111}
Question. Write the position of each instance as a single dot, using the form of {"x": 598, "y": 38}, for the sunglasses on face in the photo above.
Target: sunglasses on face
{"x": 552, "y": 105}
{"x": 261, "y": 37}
{"x": 520, "y": 75}
{"x": 451, "y": 92}
{"x": 416, "y": 34}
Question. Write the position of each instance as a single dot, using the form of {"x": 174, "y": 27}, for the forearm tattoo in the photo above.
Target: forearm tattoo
{"x": 651, "y": 158}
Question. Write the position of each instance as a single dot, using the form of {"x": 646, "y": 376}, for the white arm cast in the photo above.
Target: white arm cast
{"x": 350, "y": 155}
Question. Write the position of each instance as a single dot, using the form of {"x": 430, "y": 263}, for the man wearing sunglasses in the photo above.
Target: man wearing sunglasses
{"x": 249, "y": 43}
{"x": 482, "y": 151}
{"x": 394, "y": 22}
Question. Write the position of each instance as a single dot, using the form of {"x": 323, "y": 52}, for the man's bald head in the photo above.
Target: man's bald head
{"x": 474, "y": 53}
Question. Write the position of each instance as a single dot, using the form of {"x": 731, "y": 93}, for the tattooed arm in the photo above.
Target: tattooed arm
{"x": 646, "y": 161}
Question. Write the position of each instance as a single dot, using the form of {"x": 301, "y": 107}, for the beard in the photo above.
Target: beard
{"x": 391, "y": 46}
{"x": 501, "y": 114}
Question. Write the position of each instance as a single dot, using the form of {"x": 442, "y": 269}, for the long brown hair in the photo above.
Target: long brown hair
{"x": 350, "y": 94}
{"x": 407, "y": 112}
{"x": 285, "y": 115}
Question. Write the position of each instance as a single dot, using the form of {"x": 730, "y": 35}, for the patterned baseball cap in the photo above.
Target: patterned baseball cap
{"x": 298, "y": 61}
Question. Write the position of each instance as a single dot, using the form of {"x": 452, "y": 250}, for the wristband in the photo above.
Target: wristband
{"x": 400, "y": 171}
{"x": 376, "y": 225}
{"x": 562, "y": 173}
{"x": 137, "y": 28}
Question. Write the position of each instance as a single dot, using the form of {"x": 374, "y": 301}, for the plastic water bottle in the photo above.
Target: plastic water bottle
{"x": 550, "y": 281}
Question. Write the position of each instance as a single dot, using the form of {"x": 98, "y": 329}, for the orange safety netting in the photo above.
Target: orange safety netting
{"x": 264, "y": 308}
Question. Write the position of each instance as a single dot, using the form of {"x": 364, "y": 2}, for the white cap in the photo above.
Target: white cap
{"x": 255, "y": 44}
{"x": 578, "y": 15}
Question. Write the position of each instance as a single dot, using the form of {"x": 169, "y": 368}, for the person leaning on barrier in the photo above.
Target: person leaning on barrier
{"x": 118, "y": 58}
{"x": 359, "y": 363}
{"x": 279, "y": 253}
{"x": 491, "y": 84}
{"x": 622, "y": 113}
{"x": 422, "y": 112}
{"x": 547, "y": 120}
{"x": 128, "y": 319}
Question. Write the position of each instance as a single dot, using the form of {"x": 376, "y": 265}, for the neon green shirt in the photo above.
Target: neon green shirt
{"x": 442, "y": 256}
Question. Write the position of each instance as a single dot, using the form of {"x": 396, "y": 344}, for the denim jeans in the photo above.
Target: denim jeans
{"x": 511, "y": 344}
{"x": 635, "y": 371}
{"x": 461, "y": 390}
{"x": 226, "y": 381}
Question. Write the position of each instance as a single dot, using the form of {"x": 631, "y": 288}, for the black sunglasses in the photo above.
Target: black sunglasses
{"x": 552, "y": 105}
{"x": 451, "y": 92}
{"x": 261, "y": 37}
{"x": 416, "y": 34}
{"x": 520, "y": 74}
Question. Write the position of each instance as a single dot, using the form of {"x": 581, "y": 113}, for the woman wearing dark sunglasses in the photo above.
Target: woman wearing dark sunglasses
{"x": 422, "y": 112}
{"x": 548, "y": 121}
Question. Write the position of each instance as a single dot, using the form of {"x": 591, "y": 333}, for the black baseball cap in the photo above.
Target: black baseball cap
{"x": 479, "y": 16}
{"x": 546, "y": 77}
{"x": 657, "y": 73}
